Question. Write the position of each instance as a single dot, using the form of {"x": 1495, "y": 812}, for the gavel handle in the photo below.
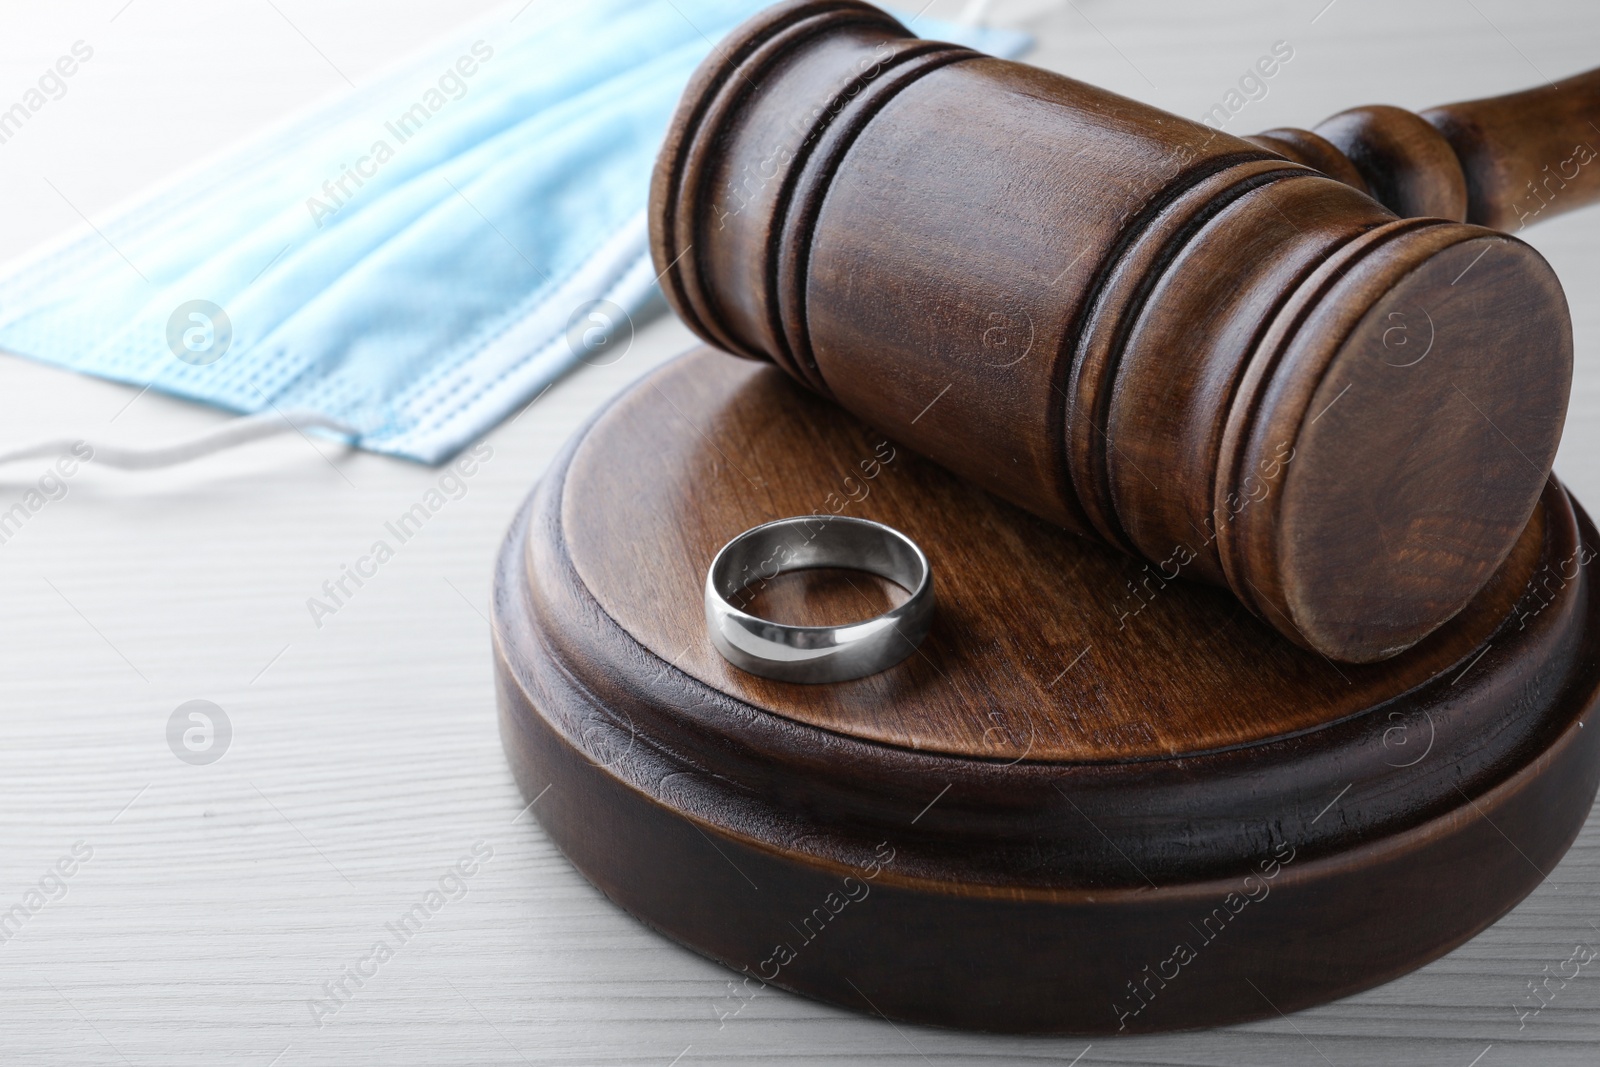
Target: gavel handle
{"x": 1502, "y": 162}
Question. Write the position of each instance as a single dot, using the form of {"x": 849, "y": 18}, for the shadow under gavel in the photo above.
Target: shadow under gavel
{"x": 1192, "y": 346}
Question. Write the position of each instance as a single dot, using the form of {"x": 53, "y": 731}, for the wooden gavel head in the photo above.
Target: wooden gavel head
{"x": 1175, "y": 340}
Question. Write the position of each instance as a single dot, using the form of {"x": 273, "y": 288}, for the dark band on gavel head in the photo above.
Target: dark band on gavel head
{"x": 1175, "y": 340}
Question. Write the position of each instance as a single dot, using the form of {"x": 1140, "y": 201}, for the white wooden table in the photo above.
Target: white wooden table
{"x": 364, "y": 758}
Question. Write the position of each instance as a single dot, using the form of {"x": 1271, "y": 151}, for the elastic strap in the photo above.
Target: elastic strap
{"x": 238, "y": 432}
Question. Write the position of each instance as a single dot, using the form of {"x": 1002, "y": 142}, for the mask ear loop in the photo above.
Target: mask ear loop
{"x": 238, "y": 432}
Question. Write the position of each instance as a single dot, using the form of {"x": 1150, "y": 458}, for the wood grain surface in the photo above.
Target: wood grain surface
{"x": 213, "y": 908}
{"x": 1526, "y": 156}
{"x": 1077, "y": 652}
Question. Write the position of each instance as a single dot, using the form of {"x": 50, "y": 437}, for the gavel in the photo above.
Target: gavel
{"x": 1304, "y": 365}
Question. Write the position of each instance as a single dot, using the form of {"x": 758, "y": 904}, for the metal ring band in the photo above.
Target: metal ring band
{"x": 813, "y": 654}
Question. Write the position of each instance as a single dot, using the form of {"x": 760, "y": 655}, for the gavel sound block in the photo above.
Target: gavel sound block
{"x": 1099, "y": 798}
{"x": 1079, "y": 807}
{"x": 1174, "y": 340}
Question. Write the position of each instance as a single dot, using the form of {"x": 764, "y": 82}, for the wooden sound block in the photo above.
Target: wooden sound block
{"x": 1093, "y": 800}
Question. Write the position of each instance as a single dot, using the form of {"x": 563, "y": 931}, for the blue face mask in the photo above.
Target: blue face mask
{"x": 415, "y": 261}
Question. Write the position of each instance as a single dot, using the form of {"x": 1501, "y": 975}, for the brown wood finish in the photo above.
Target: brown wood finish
{"x": 1094, "y": 803}
{"x": 1503, "y": 162}
{"x": 1313, "y": 150}
{"x": 1405, "y": 163}
{"x": 818, "y": 459}
{"x": 1529, "y": 155}
{"x": 1167, "y": 338}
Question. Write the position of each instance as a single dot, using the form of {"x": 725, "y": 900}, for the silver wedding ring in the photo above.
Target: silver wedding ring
{"x": 817, "y": 653}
